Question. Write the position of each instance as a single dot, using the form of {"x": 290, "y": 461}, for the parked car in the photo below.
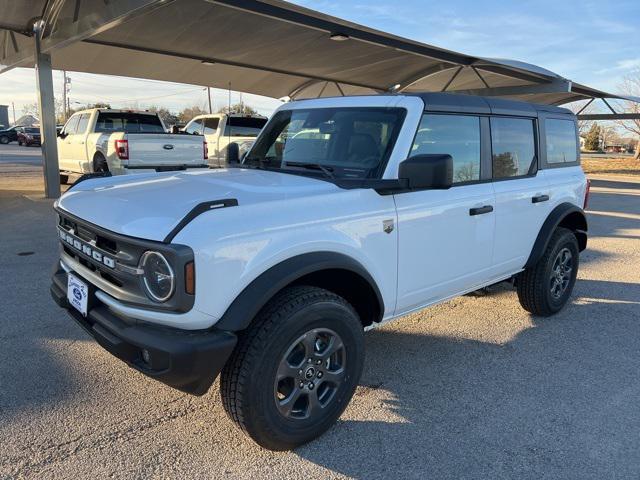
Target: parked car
{"x": 222, "y": 129}
{"x": 269, "y": 273}
{"x": 28, "y": 136}
{"x": 124, "y": 141}
{"x": 9, "y": 135}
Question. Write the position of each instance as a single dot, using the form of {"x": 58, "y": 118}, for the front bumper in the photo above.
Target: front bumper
{"x": 186, "y": 360}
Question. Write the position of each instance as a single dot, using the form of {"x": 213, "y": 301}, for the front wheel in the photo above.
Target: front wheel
{"x": 4, "y": 139}
{"x": 295, "y": 368}
{"x": 546, "y": 287}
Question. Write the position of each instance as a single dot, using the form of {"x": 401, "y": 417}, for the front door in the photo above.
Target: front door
{"x": 445, "y": 237}
{"x": 65, "y": 144}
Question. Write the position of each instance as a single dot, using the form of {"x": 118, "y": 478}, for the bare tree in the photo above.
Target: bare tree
{"x": 583, "y": 125}
{"x": 242, "y": 108}
{"x": 631, "y": 86}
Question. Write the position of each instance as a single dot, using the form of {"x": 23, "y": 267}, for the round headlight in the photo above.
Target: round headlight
{"x": 158, "y": 277}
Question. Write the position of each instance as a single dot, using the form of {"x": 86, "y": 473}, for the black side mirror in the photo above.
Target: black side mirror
{"x": 175, "y": 129}
{"x": 432, "y": 171}
{"x": 62, "y": 135}
{"x": 233, "y": 154}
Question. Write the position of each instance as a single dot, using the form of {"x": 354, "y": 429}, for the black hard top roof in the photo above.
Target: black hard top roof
{"x": 450, "y": 102}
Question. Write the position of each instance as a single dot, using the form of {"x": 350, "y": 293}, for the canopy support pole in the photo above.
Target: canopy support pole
{"x": 47, "y": 113}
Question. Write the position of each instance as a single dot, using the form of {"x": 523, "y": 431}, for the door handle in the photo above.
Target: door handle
{"x": 539, "y": 198}
{"x": 481, "y": 210}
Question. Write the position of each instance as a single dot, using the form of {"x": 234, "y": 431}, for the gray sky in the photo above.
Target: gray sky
{"x": 595, "y": 43}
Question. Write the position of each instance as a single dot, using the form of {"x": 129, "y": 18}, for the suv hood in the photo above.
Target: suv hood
{"x": 149, "y": 206}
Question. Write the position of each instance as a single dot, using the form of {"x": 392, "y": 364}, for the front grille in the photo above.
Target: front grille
{"x": 111, "y": 261}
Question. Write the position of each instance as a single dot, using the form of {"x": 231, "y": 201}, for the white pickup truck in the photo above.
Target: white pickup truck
{"x": 123, "y": 141}
{"x": 221, "y": 129}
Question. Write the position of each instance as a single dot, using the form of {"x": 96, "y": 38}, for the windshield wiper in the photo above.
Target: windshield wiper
{"x": 328, "y": 171}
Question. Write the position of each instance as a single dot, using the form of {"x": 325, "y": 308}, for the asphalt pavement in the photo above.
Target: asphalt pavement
{"x": 473, "y": 388}
{"x": 13, "y": 153}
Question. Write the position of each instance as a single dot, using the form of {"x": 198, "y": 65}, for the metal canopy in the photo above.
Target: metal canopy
{"x": 266, "y": 47}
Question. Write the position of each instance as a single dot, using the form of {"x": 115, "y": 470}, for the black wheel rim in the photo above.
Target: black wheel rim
{"x": 310, "y": 374}
{"x": 561, "y": 272}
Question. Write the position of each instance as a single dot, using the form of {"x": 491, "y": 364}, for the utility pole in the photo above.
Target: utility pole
{"x": 241, "y": 105}
{"x": 66, "y": 88}
{"x": 209, "y": 96}
{"x": 13, "y": 107}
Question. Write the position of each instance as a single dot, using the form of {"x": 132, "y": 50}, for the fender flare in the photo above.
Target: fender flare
{"x": 250, "y": 301}
{"x": 555, "y": 218}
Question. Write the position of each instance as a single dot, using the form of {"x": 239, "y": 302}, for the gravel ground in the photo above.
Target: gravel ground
{"x": 473, "y": 388}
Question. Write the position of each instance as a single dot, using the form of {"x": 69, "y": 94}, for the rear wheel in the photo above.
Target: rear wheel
{"x": 295, "y": 369}
{"x": 64, "y": 179}
{"x": 4, "y": 139}
{"x": 546, "y": 287}
{"x": 100, "y": 164}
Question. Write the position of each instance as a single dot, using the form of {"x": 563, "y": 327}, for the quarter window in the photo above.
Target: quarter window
{"x": 513, "y": 147}
{"x": 561, "y": 141}
{"x": 455, "y": 135}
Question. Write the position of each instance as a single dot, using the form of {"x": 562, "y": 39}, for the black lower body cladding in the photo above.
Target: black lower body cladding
{"x": 185, "y": 360}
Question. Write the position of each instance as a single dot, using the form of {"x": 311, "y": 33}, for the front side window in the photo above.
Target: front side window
{"x": 346, "y": 142}
{"x": 194, "y": 127}
{"x": 455, "y": 135}
{"x": 128, "y": 122}
{"x": 72, "y": 125}
{"x": 244, "y": 126}
{"x": 513, "y": 147}
{"x": 83, "y": 122}
{"x": 211, "y": 125}
{"x": 561, "y": 140}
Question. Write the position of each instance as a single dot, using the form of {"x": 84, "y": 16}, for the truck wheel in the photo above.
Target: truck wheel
{"x": 4, "y": 139}
{"x": 546, "y": 287}
{"x": 100, "y": 164}
{"x": 295, "y": 368}
{"x": 64, "y": 179}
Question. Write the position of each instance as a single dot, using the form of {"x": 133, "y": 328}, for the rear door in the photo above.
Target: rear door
{"x": 522, "y": 191}
{"x": 446, "y": 236}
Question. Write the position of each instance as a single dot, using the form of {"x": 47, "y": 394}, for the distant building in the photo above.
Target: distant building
{"x": 27, "y": 121}
{"x": 4, "y": 116}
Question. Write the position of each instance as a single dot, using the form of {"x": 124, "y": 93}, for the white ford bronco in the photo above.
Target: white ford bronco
{"x": 345, "y": 214}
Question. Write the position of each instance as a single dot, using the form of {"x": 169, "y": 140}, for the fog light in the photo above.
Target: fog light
{"x": 146, "y": 356}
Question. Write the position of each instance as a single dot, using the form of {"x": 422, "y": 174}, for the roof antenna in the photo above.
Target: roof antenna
{"x": 395, "y": 89}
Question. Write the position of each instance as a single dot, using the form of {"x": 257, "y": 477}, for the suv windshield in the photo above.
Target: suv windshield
{"x": 128, "y": 123}
{"x": 244, "y": 126}
{"x": 345, "y": 142}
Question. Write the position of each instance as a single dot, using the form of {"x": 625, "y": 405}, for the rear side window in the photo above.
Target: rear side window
{"x": 244, "y": 126}
{"x": 211, "y": 125}
{"x": 562, "y": 146}
{"x": 128, "y": 123}
{"x": 513, "y": 147}
{"x": 456, "y": 135}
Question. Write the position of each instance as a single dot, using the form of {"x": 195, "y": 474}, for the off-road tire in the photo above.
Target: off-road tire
{"x": 247, "y": 381}
{"x": 100, "y": 164}
{"x": 533, "y": 284}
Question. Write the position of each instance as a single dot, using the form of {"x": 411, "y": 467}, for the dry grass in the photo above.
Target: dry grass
{"x": 611, "y": 165}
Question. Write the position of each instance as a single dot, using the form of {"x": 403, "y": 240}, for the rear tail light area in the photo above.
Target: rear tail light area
{"x": 205, "y": 149}
{"x": 122, "y": 149}
{"x": 586, "y": 195}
